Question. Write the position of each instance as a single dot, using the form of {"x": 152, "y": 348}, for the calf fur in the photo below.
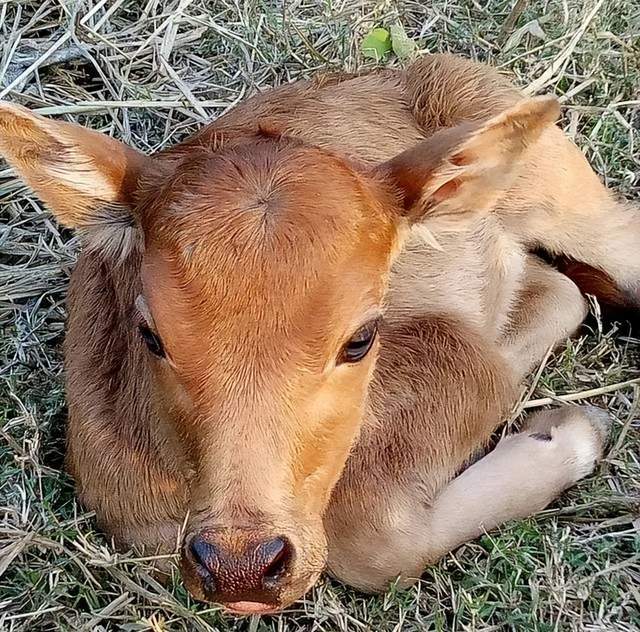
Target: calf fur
{"x": 290, "y": 335}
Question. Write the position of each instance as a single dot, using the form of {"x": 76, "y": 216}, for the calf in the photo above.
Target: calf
{"x": 291, "y": 335}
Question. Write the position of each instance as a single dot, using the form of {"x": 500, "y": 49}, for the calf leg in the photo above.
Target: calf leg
{"x": 548, "y": 310}
{"x": 557, "y": 202}
{"x": 559, "y": 205}
{"x": 521, "y": 476}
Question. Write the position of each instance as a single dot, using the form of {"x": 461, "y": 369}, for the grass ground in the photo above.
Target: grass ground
{"x": 177, "y": 62}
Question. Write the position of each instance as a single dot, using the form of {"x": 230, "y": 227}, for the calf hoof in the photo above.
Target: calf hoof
{"x": 579, "y": 432}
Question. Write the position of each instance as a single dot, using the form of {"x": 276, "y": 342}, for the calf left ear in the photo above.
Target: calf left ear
{"x": 464, "y": 169}
{"x": 86, "y": 178}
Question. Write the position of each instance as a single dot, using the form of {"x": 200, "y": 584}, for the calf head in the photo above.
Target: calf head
{"x": 264, "y": 267}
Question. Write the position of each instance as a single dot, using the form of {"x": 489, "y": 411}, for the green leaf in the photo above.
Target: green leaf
{"x": 403, "y": 46}
{"x": 376, "y": 45}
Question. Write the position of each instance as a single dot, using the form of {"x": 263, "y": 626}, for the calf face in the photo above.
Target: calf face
{"x": 264, "y": 263}
{"x": 262, "y": 296}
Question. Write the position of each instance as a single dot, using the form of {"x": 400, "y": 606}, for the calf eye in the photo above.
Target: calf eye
{"x": 360, "y": 343}
{"x": 152, "y": 341}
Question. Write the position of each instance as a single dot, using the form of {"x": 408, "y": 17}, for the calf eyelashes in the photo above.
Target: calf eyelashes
{"x": 360, "y": 343}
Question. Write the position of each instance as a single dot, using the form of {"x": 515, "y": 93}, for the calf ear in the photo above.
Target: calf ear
{"x": 84, "y": 177}
{"x": 464, "y": 169}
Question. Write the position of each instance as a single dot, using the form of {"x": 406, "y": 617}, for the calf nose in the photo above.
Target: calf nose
{"x": 234, "y": 569}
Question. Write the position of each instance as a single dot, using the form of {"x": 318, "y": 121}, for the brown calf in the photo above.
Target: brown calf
{"x": 293, "y": 332}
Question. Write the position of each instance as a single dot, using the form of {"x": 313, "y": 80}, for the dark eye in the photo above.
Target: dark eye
{"x": 152, "y": 340}
{"x": 360, "y": 343}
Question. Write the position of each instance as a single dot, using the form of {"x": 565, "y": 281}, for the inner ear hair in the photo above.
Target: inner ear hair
{"x": 112, "y": 231}
{"x": 83, "y": 176}
{"x": 464, "y": 169}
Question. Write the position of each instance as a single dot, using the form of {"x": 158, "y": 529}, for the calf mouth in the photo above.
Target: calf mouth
{"x": 246, "y": 608}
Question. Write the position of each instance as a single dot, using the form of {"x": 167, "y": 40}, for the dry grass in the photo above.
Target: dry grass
{"x": 151, "y": 71}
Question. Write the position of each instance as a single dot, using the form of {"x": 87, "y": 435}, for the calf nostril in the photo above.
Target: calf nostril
{"x": 278, "y": 554}
{"x": 204, "y": 555}
{"x": 237, "y": 568}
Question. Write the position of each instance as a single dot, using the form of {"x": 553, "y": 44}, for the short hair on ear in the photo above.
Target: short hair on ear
{"x": 464, "y": 169}
{"x": 87, "y": 179}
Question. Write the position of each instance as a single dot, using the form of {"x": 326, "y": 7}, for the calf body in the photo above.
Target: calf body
{"x": 335, "y": 284}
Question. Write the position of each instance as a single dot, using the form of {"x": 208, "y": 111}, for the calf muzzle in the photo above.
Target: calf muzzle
{"x": 244, "y": 572}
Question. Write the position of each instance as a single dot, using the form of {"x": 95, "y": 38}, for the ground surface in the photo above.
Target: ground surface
{"x": 575, "y": 567}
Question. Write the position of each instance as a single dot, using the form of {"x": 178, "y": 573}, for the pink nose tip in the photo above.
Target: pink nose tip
{"x": 248, "y": 571}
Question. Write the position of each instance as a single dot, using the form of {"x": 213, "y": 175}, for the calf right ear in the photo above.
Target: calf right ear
{"x": 463, "y": 170}
{"x": 86, "y": 178}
